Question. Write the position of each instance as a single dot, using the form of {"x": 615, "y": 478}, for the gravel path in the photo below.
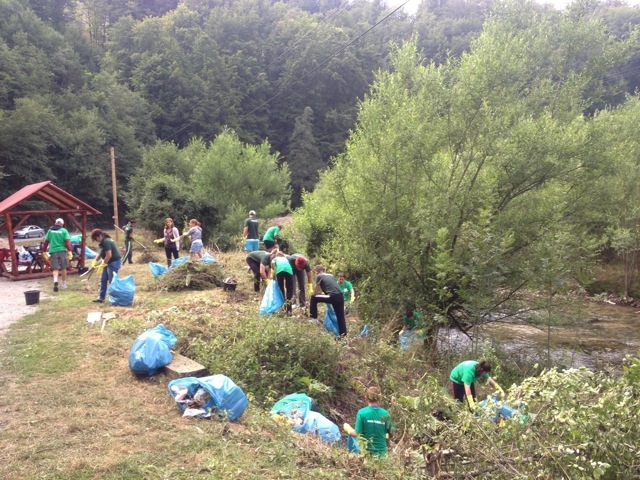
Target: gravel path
{"x": 14, "y": 305}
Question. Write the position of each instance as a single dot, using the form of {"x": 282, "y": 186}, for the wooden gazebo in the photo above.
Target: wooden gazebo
{"x": 65, "y": 206}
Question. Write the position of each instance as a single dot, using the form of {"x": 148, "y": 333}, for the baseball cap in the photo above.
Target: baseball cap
{"x": 252, "y": 212}
{"x": 59, "y": 221}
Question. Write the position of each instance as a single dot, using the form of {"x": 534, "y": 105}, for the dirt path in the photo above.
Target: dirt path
{"x": 14, "y": 306}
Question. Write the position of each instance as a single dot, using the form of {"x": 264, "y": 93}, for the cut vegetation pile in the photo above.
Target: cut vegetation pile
{"x": 192, "y": 276}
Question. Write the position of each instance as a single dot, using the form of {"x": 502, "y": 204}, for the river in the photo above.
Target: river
{"x": 600, "y": 334}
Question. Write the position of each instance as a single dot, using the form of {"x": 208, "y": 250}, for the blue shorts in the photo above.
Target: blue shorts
{"x": 251, "y": 245}
{"x": 196, "y": 247}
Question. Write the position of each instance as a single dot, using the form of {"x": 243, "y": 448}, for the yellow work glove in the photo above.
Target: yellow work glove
{"x": 310, "y": 289}
{"x": 95, "y": 262}
{"x": 69, "y": 255}
{"x": 100, "y": 267}
{"x": 45, "y": 255}
{"x": 267, "y": 280}
{"x": 353, "y": 299}
{"x": 158, "y": 240}
{"x": 174, "y": 240}
{"x": 472, "y": 404}
{"x": 502, "y": 394}
{"x": 349, "y": 429}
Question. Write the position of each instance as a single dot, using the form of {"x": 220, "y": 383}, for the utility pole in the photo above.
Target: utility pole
{"x": 113, "y": 186}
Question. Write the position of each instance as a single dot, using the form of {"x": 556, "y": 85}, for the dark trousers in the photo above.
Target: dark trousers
{"x": 299, "y": 282}
{"x": 169, "y": 251}
{"x": 128, "y": 251}
{"x": 254, "y": 265}
{"x": 285, "y": 282}
{"x": 337, "y": 301}
{"x": 457, "y": 390}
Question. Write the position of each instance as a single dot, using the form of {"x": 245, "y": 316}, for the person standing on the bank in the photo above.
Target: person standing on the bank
{"x": 128, "y": 241}
{"x": 112, "y": 260}
{"x": 270, "y": 235}
{"x": 373, "y": 423}
{"x": 58, "y": 242}
{"x": 195, "y": 233}
{"x": 255, "y": 262}
{"x": 327, "y": 290}
{"x": 250, "y": 233}
{"x": 171, "y": 241}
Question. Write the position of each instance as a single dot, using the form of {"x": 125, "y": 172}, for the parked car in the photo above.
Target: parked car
{"x": 28, "y": 231}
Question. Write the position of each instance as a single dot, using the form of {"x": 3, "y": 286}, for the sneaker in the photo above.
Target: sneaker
{"x": 98, "y": 300}
{"x": 64, "y": 285}
{"x": 55, "y": 286}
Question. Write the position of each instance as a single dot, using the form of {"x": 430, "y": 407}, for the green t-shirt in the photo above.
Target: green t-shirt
{"x": 465, "y": 373}
{"x": 328, "y": 283}
{"x": 346, "y": 288}
{"x": 56, "y": 236}
{"x": 108, "y": 244}
{"x": 282, "y": 265}
{"x": 252, "y": 231}
{"x": 259, "y": 256}
{"x": 271, "y": 233}
{"x": 414, "y": 321}
{"x": 373, "y": 423}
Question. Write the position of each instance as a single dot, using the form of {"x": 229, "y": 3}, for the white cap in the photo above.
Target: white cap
{"x": 59, "y": 221}
{"x": 252, "y": 212}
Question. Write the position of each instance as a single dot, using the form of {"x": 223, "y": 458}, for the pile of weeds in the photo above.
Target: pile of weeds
{"x": 192, "y": 276}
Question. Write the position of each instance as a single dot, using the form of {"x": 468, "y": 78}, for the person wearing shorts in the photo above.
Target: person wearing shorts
{"x": 269, "y": 238}
{"x": 58, "y": 242}
{"x": 250, "y": 233}
{"x": 195, "y": 234}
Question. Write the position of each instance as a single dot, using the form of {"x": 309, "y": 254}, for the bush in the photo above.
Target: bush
{"x": 273, "y": 357}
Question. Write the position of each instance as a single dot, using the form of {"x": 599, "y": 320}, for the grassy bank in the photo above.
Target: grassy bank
{"x": 72, "y": 409}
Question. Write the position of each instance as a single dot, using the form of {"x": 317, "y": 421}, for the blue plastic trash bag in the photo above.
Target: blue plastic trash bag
{"x": 225, "y": 399}
{"x": 365, "y": 332}
{"x": 157, "y": 269}
{"x": 408, "y": 338}
{"x": 352, "y": 444}
{"x": 179, "y": 261}
{"x": 498, "y": 410}
{"x": 317, "y": 424}
{"x": 88, "y": 253}
{"x": 208, "y": 258}
{"x": 281, "y": 405}
{"x": 331, "y": 321}
{"x": 151, "y": 351}
{"x": 121, "y": 291}
{"x": 273, "y": 299}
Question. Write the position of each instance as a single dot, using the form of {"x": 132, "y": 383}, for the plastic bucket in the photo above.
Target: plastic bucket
{"x": 32, "y": 297}
{"x": 229, "y": 285}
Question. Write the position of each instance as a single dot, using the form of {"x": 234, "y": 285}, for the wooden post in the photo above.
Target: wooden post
{"x": 113, "y": 185}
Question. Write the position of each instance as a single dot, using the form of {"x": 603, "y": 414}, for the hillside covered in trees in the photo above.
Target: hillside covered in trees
{"x": 79, "y": 76}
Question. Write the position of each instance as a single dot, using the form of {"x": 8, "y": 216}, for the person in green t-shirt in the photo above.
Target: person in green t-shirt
{"x": 270, "y": 235}
{"x": 58, "y": 242}
{"x": 284, "y": 275}
{"x": 347, "y": 292}
{"x": 464, "y": 376}
{"x": 111, "y": 258}
{"x": 373, "y": 424}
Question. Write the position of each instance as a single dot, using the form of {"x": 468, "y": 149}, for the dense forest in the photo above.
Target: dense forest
{"x": 79, "y": 76}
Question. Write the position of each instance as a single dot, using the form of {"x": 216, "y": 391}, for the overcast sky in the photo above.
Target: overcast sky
{"x": 412, "y": 5}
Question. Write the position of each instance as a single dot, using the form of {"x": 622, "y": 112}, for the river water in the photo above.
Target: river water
{"x": 599, "y": 334}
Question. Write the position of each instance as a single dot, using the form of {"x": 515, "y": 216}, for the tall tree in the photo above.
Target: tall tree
{"x": 304, "y": 159}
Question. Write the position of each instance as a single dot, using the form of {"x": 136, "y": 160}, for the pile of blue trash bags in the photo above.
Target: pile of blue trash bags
{"x": 158, "y": 269}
